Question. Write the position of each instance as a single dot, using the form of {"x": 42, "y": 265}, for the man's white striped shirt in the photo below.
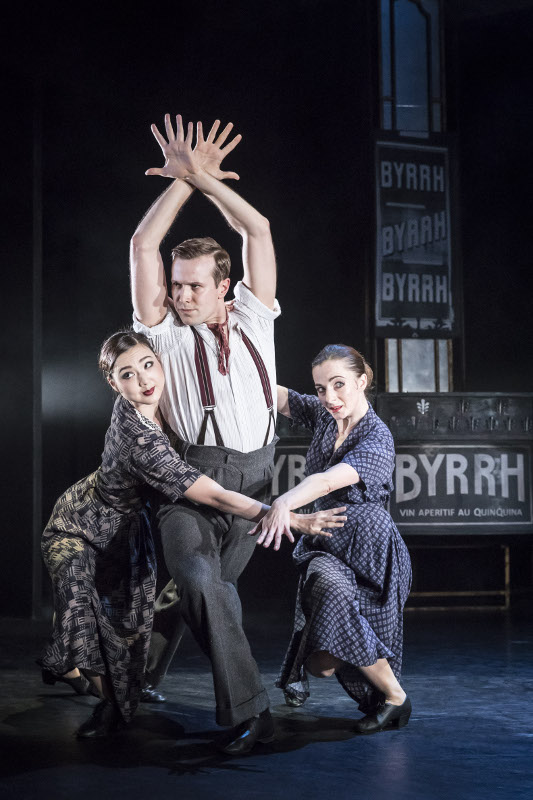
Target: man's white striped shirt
{"x": 241, "y": 411}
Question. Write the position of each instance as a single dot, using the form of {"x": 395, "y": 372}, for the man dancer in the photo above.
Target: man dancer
{"x": 220, "y": 373}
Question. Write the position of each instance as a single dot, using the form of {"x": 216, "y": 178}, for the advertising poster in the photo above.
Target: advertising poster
{"x": 469, "y": 488}
{"x": 413, "y": 250}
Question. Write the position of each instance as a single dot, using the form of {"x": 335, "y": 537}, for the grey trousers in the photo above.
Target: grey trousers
{"x": 205, "y": 551}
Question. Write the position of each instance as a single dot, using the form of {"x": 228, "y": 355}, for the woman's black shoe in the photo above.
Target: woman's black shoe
{"x": 80, "y": 684}
{"x": 294, "y": 698}
{"x": 104, "y": 720}
{"x": 387, "y": 716}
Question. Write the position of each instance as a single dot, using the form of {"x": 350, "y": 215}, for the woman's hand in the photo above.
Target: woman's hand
{"x": 319, "y": 522}
{"x": 275, "y": 524}
{"x": 279, "y": 520}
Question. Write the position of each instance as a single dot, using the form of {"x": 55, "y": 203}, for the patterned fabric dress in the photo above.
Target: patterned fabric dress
{"x": 353, "y": 587}
{"x": 99, "y": 552}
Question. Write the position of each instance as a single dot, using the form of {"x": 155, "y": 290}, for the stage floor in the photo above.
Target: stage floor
{"x": 469, "y": 676}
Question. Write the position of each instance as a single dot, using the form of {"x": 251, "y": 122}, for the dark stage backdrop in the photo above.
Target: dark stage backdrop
{"x": 495, "y": 120}
{"x": 298, "y": 80}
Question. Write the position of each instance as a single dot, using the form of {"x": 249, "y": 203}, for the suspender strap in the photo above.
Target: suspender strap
{"x": 209, "y": 414}
{"x": 271, "y": 421}
{"x": 206, "y": 389}
{"x": 202, "y": 371}
{"x": 260, "y": 366}
{"x": 265, "y": 383}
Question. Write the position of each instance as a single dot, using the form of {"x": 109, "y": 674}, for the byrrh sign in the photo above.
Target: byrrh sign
{"x": 475, "y": 487}
{"x": 413, "y": 270}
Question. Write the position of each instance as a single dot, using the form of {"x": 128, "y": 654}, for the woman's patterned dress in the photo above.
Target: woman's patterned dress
{"x": 353, "y": 587}
{"x": 99, "y": 553}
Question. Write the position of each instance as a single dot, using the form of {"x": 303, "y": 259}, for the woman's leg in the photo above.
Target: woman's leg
{"x": 101, "y": 684}
{"x": 71, "y": 567}
{"x": 329, "y": 584}
{"x": 382, "y": 677}
{"x": 396, "y": 710}
{"x": 322, "y": 664}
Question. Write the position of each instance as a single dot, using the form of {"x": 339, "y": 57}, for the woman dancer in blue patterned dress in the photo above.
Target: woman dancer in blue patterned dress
{"x": 354, "y": 584}
{"x": 97, "y": 546}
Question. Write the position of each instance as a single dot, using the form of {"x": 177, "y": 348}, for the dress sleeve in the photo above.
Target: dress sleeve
{"x": 153, "y": 461}
{"x": 373, "y": 460}
{"x": 304, "y": 409}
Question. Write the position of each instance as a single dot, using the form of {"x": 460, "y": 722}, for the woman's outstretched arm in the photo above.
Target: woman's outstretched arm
{"x": 209, "y": 493}
{"x": 274, "y": 524}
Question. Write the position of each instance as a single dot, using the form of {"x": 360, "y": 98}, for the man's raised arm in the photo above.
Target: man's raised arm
{"x": 258, "y": 250}
{"x": 258, "y": 257}
{"x": 148, "y": 282}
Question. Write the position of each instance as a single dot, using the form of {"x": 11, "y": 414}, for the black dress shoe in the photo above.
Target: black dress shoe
{"x": 387, "y": 716}
{"x": 151, "y": 695}
{"x": 248, "y": 733}
{"x": 294, "y": 698}
{"x": 80, "y": 684}
{"x": 104, "y": 720}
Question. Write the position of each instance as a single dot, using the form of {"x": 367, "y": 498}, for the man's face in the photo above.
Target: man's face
{"x": 196, "y": 298}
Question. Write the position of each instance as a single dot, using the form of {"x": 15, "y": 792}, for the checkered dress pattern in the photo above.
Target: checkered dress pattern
{"x": 353, "y": 587}
{"x": 99, "y": 552}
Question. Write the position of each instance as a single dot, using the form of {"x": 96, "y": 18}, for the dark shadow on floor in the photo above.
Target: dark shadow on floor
{"x": 43, "y": 737}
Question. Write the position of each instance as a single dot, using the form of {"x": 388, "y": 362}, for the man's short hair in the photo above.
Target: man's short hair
{"x": 192, "y": 248}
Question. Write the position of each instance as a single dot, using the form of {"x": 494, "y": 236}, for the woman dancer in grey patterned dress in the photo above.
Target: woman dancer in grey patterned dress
{"x": 97, "y": 545}
{"x": 353, "y": 585}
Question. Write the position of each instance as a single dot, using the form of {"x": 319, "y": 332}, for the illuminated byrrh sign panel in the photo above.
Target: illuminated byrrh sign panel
{"x": 463, "y": 462}
{"x": 463, "y": 487}
{"x": 413, "y": 269}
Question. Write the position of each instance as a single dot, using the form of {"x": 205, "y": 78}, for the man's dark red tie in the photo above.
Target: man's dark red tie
{"x": 221, "y": 336}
